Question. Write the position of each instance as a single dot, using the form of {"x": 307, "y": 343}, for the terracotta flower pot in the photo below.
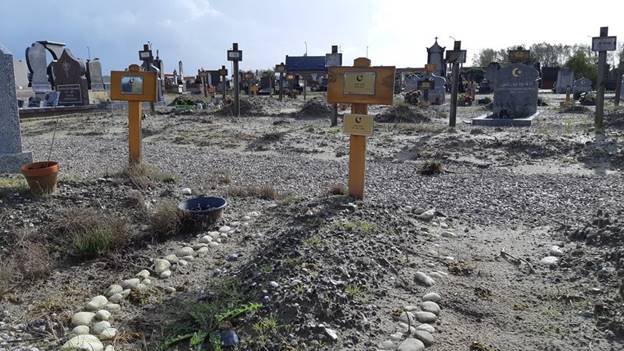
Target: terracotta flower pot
{"x": 41, "y": 176}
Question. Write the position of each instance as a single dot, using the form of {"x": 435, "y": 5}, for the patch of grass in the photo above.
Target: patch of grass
{"x": 314, "y": 241}
{"x": 204, "y": 320}
{"x": 8, "y": 274}
{"x": 357, "y": 226}
{"x": 265, "y": 192}
{"x": 353, "y": 291}
{"x": 165, "y": 221}
{"x": 266, "y": 268}
{"x": 86, "y": 233}
{"x": 431, "y": 168}
{"x": 264, "y": 328}
{"x": 13, "y": 185}
{"x": 143, "y": 175}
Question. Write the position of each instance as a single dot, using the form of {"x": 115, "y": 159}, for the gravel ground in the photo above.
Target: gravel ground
{"x": 337, "y": 274}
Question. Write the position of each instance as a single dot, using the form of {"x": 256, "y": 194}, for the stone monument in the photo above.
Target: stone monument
{"x": 38, "y": 68}
{"x": 515, "y": 95}
{"x": 565, "y": 78}
{"x": 11, "y": 155}
{"x": 581, "y": 85}
{"x": 435, "y": 55}
{"x": 70, "y": 80}
{"x": 21, "y": 74}
{"x": 432, "y": 86}
{"x": 94, "y": 75}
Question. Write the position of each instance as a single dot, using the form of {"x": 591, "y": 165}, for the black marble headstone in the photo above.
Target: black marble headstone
{"x": 69, "y": 80}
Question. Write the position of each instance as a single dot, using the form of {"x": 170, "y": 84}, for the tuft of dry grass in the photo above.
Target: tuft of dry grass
{"x": 143, "y": 175}
{"x": 13, "y": 185}
{"x": 86, "y": 233}
{"x": 265, "y": 192}
{"x": 431, "y": 168}
{"x": 337, "y": 189}
{"x": 8, "y": 275}
{"x": 165, "y": 221}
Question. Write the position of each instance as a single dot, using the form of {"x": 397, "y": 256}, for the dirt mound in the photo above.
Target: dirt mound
{"x": 403, "y": 114}
{"x": 316, "y": 108}
{"x": 188, "y": 100}
{"x": 599, "y": 254}
{"x": 246, "y": 108}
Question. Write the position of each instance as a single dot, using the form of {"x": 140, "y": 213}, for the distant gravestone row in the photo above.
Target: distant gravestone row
{"x": 65, "y": 81}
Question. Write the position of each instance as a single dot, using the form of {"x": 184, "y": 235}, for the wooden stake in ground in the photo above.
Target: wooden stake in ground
{"x": 223, "y": 72}
{"x": 456, "y": 57}
{"x": 235, "y": 56}
{"x": 601, "y": 44}
{"x": 359, "y": 85}
{"x": 135, "y": 86}
{"x": 618, "y": 86}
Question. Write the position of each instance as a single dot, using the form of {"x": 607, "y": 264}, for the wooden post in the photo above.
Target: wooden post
{"x": 618, "y": 85}
{"x": 224, "y": 78}
{"x": 357, "y": 148}
{"x": 305, "y": 86}
{"x": 454, "y": 87}
{"x": 334, "y": 120}
{"x": 134, "y": 131}
{"x": 600, "y": 85}
{"x": 236, "y": 85}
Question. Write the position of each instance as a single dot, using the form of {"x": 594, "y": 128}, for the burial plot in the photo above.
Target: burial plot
{"x": 581, "y": 85}
{"x": 565, "y": 79}
{"x": 515, "y": 97}
{"x": 433, "y": 87}
{"x": 11, "y": 155}
{"x": 69, "y": 80}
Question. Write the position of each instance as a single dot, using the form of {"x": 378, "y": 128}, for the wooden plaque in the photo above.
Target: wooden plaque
{"x": 133, "y": 85}
{"x": 358, "y": 124}
{"x": 365, "y": 85}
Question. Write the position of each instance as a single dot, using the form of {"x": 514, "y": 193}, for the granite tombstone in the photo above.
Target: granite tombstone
{"x": 11, "y": 155}
{"x": 581, "y": 85}
{"x": 38, "y": 68}
{"x": 565, "y": 79}
{"x": 70, "y": 81}
{"x": 515, "y": 91}
{"x": 94, "y": 75}
{"x": 21, "y": 74}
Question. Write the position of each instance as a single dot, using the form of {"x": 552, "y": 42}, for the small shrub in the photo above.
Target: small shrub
{"x": 143, "y": 175}
{"x": 33, "y": 260}
{"x": 86, "y": 233}
{"x": 432, "y": 168}
{"x": 265, "y": 192}
{"x": 8, "y": 275}
{"x": 165, "y": 220}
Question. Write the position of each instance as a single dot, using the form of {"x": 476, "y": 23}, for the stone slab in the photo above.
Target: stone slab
{"x": 487, "y": 121}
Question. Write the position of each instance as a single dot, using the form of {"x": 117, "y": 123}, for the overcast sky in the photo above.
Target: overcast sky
{"x": 199, "y": 32}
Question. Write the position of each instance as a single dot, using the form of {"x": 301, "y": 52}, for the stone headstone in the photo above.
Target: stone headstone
{"x": 565, "y": 79}
{"x": 435, "y": 55}
{"x": 94, "y": 75}
{"x": 581, "y": 85}
{"x": 70, "y": 81}
{"x": 515, "y": 91}
{"x": 21, "y": 74}
{"x": 435, "y": 85}
{"x": 11, "y": 155}
{"x": 622, "y": 89}
{"x": 38, "y": 68}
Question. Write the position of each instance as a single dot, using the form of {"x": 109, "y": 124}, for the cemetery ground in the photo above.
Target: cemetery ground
{"x": 468, "y": 214}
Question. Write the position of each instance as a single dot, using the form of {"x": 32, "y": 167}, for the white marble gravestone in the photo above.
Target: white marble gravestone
{"x": 11, "y": 155}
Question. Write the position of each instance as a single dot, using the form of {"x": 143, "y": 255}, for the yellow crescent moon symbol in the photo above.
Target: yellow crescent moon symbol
{"x": 358, "y": 119}
{"x": 516, "y": 72}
